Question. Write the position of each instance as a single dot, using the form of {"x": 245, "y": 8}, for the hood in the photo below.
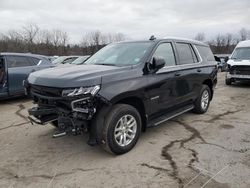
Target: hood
{"x": 72, "y": 76}
{"x": 233, "y": 62}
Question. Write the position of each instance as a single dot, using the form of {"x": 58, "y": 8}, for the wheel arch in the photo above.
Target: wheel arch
{"x": 209, "y": 83}
{"x": 138, "y": 104}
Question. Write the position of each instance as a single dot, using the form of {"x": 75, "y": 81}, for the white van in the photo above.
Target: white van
{"x": 239, "y": 63}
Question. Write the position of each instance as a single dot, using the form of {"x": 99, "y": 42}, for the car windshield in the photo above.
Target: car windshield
{"x": 120, "y": 54}
{"x": 80, "y": 60}
{"x": 241, "y": 53}
{"x": 59, "y": 60}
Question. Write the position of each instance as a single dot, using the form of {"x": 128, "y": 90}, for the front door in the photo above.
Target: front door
{"x": 161, "y": 84}
{"x": 19, "y": 67}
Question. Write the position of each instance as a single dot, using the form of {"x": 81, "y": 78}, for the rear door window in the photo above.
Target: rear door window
{"x": 165, "y": 51}
{"x": 186, "y": 54}
{"x": 18, "y": 61}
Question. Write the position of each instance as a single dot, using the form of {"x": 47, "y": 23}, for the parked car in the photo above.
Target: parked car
{"x": 222, "y": 61}
{"x": 64, "y": 60}
{"x": 125, "y": 88}
{"x": 238, "y": 66}
{"x": 52, "y": 58}
{"x": 80, "y": 60}
{"x": 15, "y": 67}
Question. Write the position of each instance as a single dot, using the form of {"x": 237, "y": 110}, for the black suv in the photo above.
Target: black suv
{"x": 125, "y": 88}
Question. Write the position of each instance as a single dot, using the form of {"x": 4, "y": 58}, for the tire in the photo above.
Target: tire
{"x": 228, "y": 81}
{"x": 202, "y": 103}
{"x": 54, "y": 123}
{"x": 113, "y": 125}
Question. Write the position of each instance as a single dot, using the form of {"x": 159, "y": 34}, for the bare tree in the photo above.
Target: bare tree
{"x": 200, "y": 37}
{"x": 30, "y": 32}
{"x": 243, "y": 34}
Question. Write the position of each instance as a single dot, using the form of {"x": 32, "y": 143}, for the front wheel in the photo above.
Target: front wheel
{"x": 202, "y": 103}
{"x": 121, "y": 129}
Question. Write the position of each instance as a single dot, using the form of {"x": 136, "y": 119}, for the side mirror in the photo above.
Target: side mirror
{"x": 226, "y": 59}
{"x": 217, "y": 59}
{"x": 157, "y": 63}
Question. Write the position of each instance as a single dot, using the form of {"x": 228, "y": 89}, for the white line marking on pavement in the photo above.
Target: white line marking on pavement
{"x": 214, "y": 176}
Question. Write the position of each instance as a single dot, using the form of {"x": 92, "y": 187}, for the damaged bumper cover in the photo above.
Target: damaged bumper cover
{"x": 52, "y": 107}
{"x": 241, "y": 72}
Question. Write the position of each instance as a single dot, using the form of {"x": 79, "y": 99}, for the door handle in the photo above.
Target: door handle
{"x": 198, "y": 70}
{"x": 177, "y": 74}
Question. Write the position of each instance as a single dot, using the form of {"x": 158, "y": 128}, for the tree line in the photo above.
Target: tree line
{"x": 224, "y": 43}
{"x": 33, "y": 39}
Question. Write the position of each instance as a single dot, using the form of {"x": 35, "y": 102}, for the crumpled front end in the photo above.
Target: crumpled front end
{"x": 71, "y": 113}
{"x": 239, "y": 72}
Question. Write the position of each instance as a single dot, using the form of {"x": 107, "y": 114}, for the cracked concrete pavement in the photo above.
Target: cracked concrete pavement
{"x": 210, "y": 150}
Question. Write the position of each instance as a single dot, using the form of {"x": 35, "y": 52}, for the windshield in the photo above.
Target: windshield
{"x": 59, "y": 60}
{"x": 241, "y": 53}
{"x": 80, "y": 60}
{"x": 120, "y": 54}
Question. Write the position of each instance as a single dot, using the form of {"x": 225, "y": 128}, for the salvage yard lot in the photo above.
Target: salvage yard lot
{"x": 210, "y": 150}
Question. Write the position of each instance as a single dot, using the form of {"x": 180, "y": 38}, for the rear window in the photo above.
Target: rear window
{"x": 205, "y": 52}
{"x": 186, "y": 53}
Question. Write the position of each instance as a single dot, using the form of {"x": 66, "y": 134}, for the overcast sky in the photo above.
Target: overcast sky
{"x": 137, "y": 19}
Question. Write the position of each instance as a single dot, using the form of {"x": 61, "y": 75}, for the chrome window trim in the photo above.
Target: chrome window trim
{"x": 198, "y": 63}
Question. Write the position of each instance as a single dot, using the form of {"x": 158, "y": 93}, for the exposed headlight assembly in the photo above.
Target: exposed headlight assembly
{"x": 81, "y": 91}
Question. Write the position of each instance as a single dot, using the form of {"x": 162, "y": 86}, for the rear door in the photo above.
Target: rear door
{"x": 187, "y": 76}
{"x": 19, "y": 67}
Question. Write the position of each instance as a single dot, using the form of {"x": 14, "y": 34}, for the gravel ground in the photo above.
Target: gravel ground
{"x": 210, "y": 150}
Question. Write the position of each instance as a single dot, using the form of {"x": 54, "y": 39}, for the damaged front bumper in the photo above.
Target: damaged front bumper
{"x": 42, "y": 116}
{"x": 238, "y": 76}
{"x": 73, "y": 111}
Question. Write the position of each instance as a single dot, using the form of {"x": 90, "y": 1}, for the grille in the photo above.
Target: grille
{"x": 240, "y": 70}
{"x": 46, "y": 91}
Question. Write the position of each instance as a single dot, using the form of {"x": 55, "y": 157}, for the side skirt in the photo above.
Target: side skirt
{"x": 170, "y": 115}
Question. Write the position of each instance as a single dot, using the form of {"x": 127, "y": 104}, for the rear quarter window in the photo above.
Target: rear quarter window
{"x": 205, "y": 53}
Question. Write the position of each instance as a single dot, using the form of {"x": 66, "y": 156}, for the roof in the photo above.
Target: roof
{"x": 245, "y": 43}
{"x": 186, "y": 40}
{"x": 23, "y": 54}
{"x": 178, "y": 39}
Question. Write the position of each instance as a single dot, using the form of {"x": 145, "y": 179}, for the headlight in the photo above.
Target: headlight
{"x": 81, "y": 91}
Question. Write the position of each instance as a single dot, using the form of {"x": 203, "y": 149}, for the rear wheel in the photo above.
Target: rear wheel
{"x": 121, "y": 129}
{"x": 202, "y": 103}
